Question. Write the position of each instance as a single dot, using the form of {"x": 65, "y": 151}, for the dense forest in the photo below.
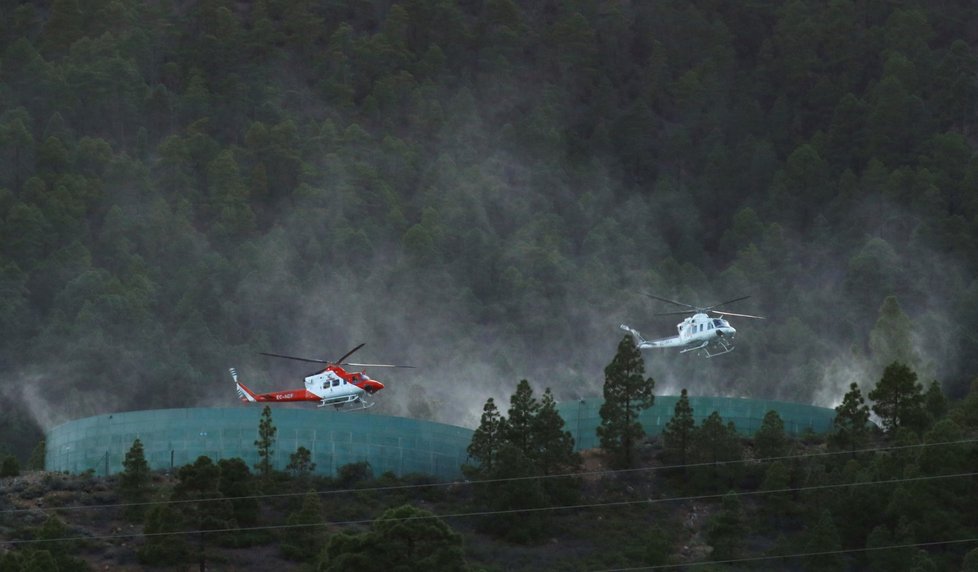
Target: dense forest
{"x": 480, "y": 188}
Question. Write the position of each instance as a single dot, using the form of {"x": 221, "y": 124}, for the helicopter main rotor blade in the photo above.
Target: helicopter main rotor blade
{"x": 683, "y": 313}
{"x": 349, "y": 353}
{"x": 727, "y": 302}
{"x": 670, "y": 301}
{"x": 375, "y": 365}
{"x": 294, "y": 358}
{"x": 740, "y": 315}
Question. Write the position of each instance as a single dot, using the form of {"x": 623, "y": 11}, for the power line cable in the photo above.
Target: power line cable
{"x": 517, "y": 510}
{"x": 391, "y": 488}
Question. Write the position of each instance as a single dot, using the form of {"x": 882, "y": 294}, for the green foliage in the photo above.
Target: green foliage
{"x": 304, "y": 538}
{"x": 523, "y": 410}
{"x": 898, "y": 398}
{"x": 202, "y": 505}
{"x": 300, "y": 463}
{"x": 509, "y": 458}
{"x": 626, "y": 393}
{"x": 10, "y": 467}
{"x": 161, "y": 548}
{"x": 61, "y": 552}
{"x": 265, "y": 442}
{"x": 36, "y": 461}
{"x": 776, "y": 506}
{"x": 966, "y": 411}
{"x": 403, "y": 538}
{"x": 678, "y": 433}
{"x": 717, "y": 445}
{"x": 134, "y": 481}
{"x": 486, "y": 440}
{"x": 11, "y": 561}
{"x": 770, "y": 440}
{"x": 824, "y": 537}
{"x": 935, "y": 404}
{"x": 238, "y": 486}
{"x": 42, "y": 561}
{"x": 726, "y": 531}
{"x": 552, "y": 445}
{"x": 970, "y": 563}
{"x": 352, "y": 474}
{"x": 849, "y": 428}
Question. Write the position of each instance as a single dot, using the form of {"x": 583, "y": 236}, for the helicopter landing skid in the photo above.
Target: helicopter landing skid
{"x": 347, "y": 403}
{"x": 724, "y": 346}
{"x": 694, "y": 348}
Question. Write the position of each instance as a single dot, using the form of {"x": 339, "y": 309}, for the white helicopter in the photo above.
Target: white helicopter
{"x": 700, "y": 332}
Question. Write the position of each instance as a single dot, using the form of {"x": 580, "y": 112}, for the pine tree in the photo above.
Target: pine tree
{"x": 775, "y": 506}
{"x": 237, "y": 485}
{"x": 716, "y": 444}
{"x": 934, "y": 401}
{"x": 512, "y": 496}
{"x": 553, "y": 447}
{"x": 726, "y": 530}
{"x": 770, "y": 440}
{"x": 523, "y": 409}
{"x": 898, "y": 398}
{"x": 849, "y": 428}
{"x": 134, "y": 481}
{"x": 305, "y": 541}
{"x": 265, "y": 442}
{"x": 9, "y": 467}
{"x": 36, "y": 460}
{"x": 300, "y": 463}
{"x": 824, "y": 537}
{"x": 678, "y": 433}
{"x": 554, "y": 452}
{"x": 626, "y": 393}
{"x": 486, "y": 440}
{"x": 162, "y": 547}
{"x": 202, "y": 504}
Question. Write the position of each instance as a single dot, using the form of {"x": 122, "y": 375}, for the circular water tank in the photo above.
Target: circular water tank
{"x": 175, "y": 437}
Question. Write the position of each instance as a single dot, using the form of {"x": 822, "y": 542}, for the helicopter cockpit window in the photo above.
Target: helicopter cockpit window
{"x": 717, "y": 323}
{"x": 709, "y": 326}
{"x": 336, "y": 382}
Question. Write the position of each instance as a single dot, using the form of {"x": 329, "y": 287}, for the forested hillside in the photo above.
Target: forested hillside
{"x": 481, "y": 188}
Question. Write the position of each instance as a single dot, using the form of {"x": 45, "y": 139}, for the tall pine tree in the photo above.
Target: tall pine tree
{"x": 134, "y": 481}
{"x": 626, "y": 393}
{"x": 523, "y": 409}
{"x": 265, "y": 442}
{"x": 678, "y": 433}
{"x": 486, "y": 441}
{"x": 898, "y": 398}
{"x": 849, "y": 429}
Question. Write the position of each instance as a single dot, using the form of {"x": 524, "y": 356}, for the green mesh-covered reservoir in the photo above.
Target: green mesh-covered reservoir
{"x": 176, "y": 437}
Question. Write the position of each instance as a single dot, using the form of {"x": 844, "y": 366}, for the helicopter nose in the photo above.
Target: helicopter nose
{"x": 373, "y": 386}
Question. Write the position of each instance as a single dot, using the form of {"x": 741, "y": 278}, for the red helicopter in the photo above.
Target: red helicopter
{"x": 330, "y": 386}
